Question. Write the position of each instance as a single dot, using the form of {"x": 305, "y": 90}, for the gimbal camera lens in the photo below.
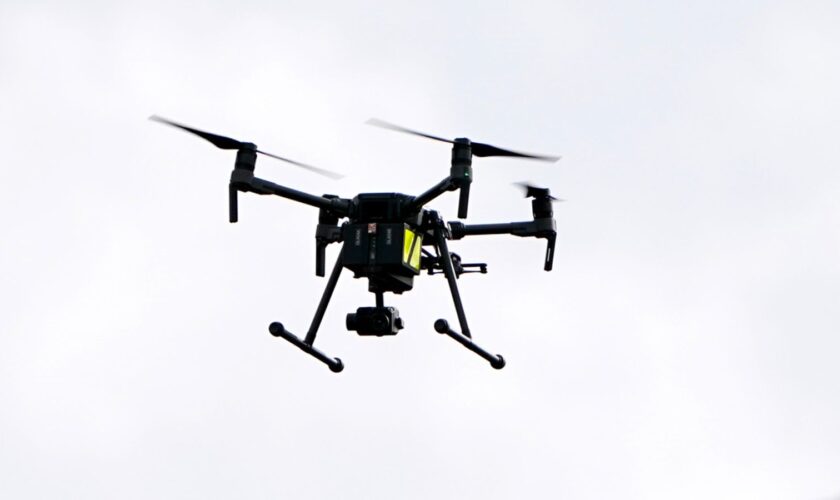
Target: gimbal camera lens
{"x": 351, "y": 322}
{"x": 380, "y": 322}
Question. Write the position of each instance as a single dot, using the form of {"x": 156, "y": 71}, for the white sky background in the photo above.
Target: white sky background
{"x": 685, "y": 346}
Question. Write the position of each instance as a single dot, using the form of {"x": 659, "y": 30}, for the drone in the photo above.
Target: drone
{"x": 386, "y": 237}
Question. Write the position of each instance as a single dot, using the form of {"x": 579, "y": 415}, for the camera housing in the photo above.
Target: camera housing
{"x": 378, "y": 321}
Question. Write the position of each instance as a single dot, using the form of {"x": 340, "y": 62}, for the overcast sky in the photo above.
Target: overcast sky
{"x": 685, "y": 346}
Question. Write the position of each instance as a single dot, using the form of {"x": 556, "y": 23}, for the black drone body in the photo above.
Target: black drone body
{"x": 386, "y": 236}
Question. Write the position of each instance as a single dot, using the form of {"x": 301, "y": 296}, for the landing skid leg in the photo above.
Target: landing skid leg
{"x": 441, "y": 325}
{"x": 305, "y": 345}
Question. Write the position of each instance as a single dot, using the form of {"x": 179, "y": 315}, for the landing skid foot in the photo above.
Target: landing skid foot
{"x": 496, "y": 361}
{"x": 278, "y": 330}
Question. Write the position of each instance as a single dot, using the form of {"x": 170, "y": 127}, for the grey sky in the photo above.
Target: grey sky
{"x": 685, "y": 345}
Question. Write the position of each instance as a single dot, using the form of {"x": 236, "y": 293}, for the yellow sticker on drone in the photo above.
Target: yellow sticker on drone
{"x": 412, "y": 244}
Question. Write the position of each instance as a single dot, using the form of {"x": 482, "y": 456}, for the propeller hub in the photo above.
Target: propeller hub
{"x": 541, "y": 202}
{"x": 535, "y": 192}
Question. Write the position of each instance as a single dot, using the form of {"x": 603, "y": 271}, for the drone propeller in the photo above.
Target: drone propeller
{"x": 223, "y": 142}
{"x": 478, "y": 149}
{"x": 535, "y": 192}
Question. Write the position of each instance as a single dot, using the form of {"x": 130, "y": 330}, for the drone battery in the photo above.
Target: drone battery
{"x": 383, "y": 250}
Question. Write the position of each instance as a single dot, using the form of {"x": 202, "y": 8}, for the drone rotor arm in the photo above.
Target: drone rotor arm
{"x": 447, "y": 184}
{"x": 339, "y": 206}
{"x": 537, "y": 228}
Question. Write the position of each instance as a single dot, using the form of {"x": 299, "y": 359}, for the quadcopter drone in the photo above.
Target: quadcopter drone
{"x": 386, "y": 234}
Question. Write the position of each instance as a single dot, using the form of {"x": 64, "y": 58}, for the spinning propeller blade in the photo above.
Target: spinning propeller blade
{"x": 219, "y": 141}
{"x": 532, "y": 191}
{"x": 223, "y": 142}
{"x": 317, "y": 170}
{"x": 478, "y": 149}
{"x": 390, "y": 126}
